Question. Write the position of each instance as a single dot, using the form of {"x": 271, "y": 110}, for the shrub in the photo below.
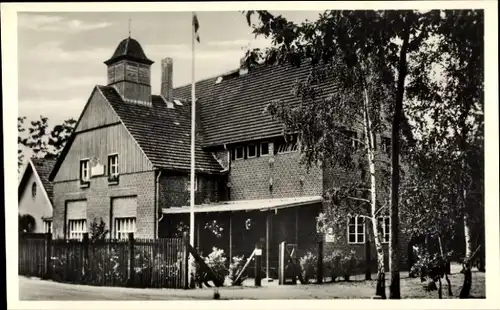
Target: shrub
{"x": 235, "y": 268}
{"x": 348, "y": 263}
{"x": 331, "y": 265}
{"x": 308, "y": 266}
{"x": 217, "y": 261}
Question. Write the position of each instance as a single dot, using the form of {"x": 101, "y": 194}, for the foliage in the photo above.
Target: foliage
{"x": 43, "y": 141}
{"x": 237, "y": 264}
{"x": 217, "y": 261}
{"x": 308, "y": 266}
{"x": 215, "y": 228}
{"x": 26, "y": 223}
{"x": 97, "y": 230}
{"x": 338, "y": 263}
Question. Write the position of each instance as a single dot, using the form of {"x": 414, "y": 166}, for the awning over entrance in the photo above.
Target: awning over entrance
{"x": 247, "y": 205}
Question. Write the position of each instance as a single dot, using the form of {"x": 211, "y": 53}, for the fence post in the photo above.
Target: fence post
{"x": 281, "y": 264}
{"x": 319, "y": 274}
{"x": 258, "y": 264}
{"x": 185, "y": 261}
{"x": 85, "y": 254}
{"x": 48, "y": 256}
{"x": 131, "y": 260}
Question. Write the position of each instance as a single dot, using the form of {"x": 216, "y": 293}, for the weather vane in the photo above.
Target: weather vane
{"x": 129, "y": 26}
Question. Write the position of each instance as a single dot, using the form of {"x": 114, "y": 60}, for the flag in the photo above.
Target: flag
{"x": 196, "y": 26}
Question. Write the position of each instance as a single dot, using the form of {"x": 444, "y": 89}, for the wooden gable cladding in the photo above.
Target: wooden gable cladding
{"x": 97, "y": 113}
{"x": 99, "y": 143}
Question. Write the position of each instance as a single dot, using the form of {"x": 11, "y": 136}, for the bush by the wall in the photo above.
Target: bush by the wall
{"x": 237, "y": 264}
{"x": 308, "y": 266}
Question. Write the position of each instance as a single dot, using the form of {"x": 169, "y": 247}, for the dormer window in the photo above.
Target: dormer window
{"x": 84, "y": 171}
{"x": 288, "y": 146}
{"x": 113, "y": 168}
{"x": 239, "y": 152}
{"x": 264, "y": 149}
{"x": 251, "y": 150}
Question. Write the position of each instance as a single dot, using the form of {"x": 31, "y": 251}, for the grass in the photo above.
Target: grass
{"x": 34, "y": 289}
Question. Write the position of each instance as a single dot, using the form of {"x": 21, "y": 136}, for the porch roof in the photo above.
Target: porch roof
{"x": 247, "y": 205}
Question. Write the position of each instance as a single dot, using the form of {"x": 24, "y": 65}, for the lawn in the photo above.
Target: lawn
{"x": 35, "y": 289}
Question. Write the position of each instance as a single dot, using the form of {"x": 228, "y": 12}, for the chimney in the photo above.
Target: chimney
{"x": 166, "y": 78}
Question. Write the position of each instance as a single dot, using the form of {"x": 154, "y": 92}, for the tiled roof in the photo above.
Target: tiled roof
{"x": 233, "y": 110}
{"x": 44, "y": 167}
{"x": 164, "y": 134}
{"x": 129, "y": 49}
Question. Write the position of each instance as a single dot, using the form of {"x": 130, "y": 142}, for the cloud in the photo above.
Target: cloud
{"x": 51, "y": 51}
{"x": 65, "y": 83}
{"x": 54, "y": 23}
{"x": 56, "y": 110}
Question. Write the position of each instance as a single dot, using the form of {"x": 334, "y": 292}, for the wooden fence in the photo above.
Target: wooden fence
{"x": 160, "y": 263}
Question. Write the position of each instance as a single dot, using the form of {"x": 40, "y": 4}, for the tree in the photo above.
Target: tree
{"x": 41, "y": 140}
{"x": 454, "y": 104}
{"x": 21, "y": 141}
{"x": 338, "y": 47}
{"x": 26, "y": 223}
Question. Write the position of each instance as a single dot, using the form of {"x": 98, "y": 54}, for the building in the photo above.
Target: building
{"x": 35, "y": 193}
{"x": 128, "y": 162}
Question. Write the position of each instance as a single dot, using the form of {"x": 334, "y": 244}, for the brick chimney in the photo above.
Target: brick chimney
{"x": 167, "y": 65}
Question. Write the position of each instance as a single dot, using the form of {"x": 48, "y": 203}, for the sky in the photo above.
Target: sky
{"x": 61, "y": 55}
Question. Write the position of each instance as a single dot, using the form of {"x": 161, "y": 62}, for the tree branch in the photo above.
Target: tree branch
{"x": 359, "y": 199}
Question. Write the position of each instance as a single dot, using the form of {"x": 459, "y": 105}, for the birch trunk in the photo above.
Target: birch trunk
{"x": 380, "y": 290}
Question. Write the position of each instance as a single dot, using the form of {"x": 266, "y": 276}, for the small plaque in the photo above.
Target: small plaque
{"x": 329, "y": 236}
{"x": 98, "y": 169}
{"x": 258, "y": 252}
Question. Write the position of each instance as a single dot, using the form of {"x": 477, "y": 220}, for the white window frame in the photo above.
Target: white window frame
{"x": 87, "y": 162}
{"x": 386, "y": 144}
{"x": 261, "y": 145}
{"x": 254, "y": 149}
{"x": 236, "y": 153}
{"x": 288, "y": 147}
{"x": 123, "y": 226}
{"x": 356, "y": 233}
{"x": 76, "y": 228}
{"x": 47, "y": 226}
{"x": 385, "y": 228}
{"x": 188, "y": 183}
{"x": 115, "y": 165}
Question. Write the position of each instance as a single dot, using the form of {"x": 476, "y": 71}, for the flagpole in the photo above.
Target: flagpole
{"x": 193, "y": 132}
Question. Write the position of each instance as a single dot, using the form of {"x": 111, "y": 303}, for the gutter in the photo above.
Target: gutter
{"x": 157, "y": 203}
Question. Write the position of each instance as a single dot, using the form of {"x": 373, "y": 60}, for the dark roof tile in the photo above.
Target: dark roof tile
{"x": 164, "y": 134}
{"x": 44, "y": 167}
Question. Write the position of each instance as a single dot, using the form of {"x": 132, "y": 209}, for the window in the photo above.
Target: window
{"x": 124, "y": 226}
{"x": 264, "y": 149}
{"x": 288, "y": 146}
{"x": 33, "y": 189}
{"x": 356, "y": 229}
{"x": 353, "y": 136}
{"x": 386, "y": 144}
{"x": 239, "y": 152}
{"x": 384, "y": 223}
{"x": 113, "y": 168}
{"x": 77, "y": 228}
{"x": 188, "y": 183}
{"x": 47, "y": 226}
{"x": 251, "y": 150}
{"x": 84, "y": 171}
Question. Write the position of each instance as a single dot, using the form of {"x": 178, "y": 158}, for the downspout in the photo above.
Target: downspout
{"x": 157, "y": 202}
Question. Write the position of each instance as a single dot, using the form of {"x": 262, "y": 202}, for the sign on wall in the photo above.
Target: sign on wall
{"x": 329, "y": 236}
{"x": 96, "y": 168}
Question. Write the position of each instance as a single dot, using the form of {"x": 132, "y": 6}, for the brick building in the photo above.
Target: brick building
{"x": 128, "y": 161}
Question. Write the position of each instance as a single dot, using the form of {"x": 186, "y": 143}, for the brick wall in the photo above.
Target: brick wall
{"x": 250, "y": 178}
{"x": 334, "y": 177}
{"x": 173, "y": 191}
{"x": 98, "y": 197}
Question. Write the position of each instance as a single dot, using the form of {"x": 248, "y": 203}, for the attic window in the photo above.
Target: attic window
{"x": 177, "y": 102}
{"x": 33, "y": 189}
{"x": 219, "y": 79}
{"x": 170, "y": 105}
